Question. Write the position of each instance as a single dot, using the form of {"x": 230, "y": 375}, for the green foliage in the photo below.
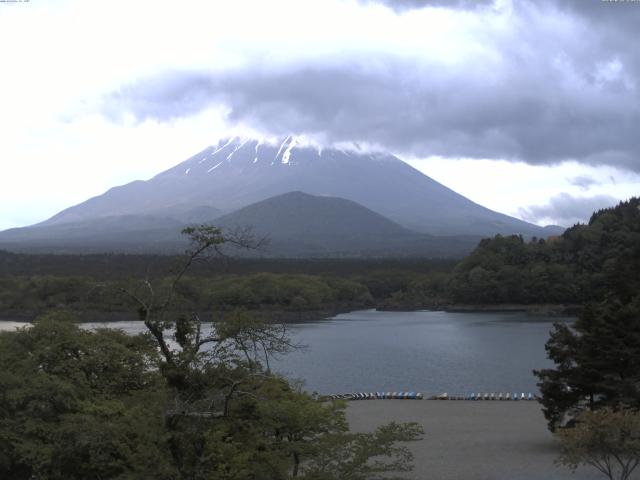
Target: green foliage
{"x": 509, "y": 270}
{"x": 79, "y": 405}
{"x": 598, "y": 358}
{"x": 118, "y": 266}
{"x": 41, "y": 293}
{"x": 597, "y": 362}
{"x": 289, "y": 292}
{"x": 420, "y": 291}
{"x": 262, "y": 291}
{"x": 204, "y": 236}
{"x": 580, "y": 266}
{"x": 184, "y": 401}
{"x": 33, "y": 284}
{"x": 364, "y": 456}
{"x": 606, "y": 439}
{"x": 76, "y": 404}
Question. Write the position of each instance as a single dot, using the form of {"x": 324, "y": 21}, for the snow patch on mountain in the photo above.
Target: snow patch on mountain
{"x": 238, "y": 147}
{"x": 258, "y": 143}
{"x": 223, "y": 146}
{"x": 287, "y": 153}
{"x": 281, "y": 147}
{"x": 214, "y": 167}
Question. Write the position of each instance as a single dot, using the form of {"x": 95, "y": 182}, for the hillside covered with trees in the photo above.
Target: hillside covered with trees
{"x": 582, "y": 264}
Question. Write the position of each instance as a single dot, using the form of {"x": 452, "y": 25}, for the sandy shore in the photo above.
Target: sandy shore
{"x": 473, "y": 440}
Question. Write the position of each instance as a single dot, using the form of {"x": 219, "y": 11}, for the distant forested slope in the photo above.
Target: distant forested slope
{"x": 583, "y": 264}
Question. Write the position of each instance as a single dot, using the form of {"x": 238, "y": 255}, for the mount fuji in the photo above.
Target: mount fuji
{"x": 237, "y": 173}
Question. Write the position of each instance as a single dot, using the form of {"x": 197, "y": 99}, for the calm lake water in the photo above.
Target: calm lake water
{"x": 429, "y": 352}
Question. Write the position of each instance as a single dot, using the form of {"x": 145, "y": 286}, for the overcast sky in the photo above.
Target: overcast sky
{"x": 531, "y": 108}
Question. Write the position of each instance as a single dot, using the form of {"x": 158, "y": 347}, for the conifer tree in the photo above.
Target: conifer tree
{"x": 597, "y": 362}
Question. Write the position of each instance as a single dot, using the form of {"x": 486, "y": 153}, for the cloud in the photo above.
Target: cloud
{"x": 566, "y": 210}
{"x": 603, "y": 13}
{"x": 403, "y": 5}
{"x": 166, "y": 97}
{"x": 534, "y": 83}
{"x": 583, "y": 181}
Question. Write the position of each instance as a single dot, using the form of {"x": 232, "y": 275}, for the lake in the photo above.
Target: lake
{"x": 425, "y": 351}
{"x": 430, "y": 352}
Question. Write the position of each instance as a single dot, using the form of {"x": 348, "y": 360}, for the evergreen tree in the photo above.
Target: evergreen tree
{"x": 597, "y": 362}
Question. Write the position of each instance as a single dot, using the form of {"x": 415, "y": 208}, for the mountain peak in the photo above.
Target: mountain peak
{"x": 283, "y": 151}
{"x": 239, "y": 171}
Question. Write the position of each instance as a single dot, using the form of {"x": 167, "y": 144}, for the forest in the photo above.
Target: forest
{"x": 569, "y": 269}
{"x": 583, "y": 264}
{"x": 30, "y": 285}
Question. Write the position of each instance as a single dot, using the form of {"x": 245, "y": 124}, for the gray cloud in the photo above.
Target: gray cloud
{"x": 567, "y": 210}
{"x": 168, "y": 96}
{"x": 585, "y": 182}
{"x": 553, "y": 96}
{"x": 617, "y": 14}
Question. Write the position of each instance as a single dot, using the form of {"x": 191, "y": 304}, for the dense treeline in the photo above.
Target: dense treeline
{"x": 29, "y": 296}
{"x": 511, "y": 270}
{"x": 297, "y": 286}
{"x": 26, "y": 297}
{"x": 583, "y": 264}
{"x": 117, "y": 266}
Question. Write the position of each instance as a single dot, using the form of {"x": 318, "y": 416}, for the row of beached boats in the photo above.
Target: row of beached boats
{"x": 487, "y": 396}
{"x": 378, "y": 396}
{"x": 443, "y": 396}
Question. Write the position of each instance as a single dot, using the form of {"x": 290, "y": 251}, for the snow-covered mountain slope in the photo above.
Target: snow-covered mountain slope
{"x": 238, "y": 172}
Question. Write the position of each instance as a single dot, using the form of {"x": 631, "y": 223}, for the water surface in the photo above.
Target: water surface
{"x": 423, "y": 351}
{"x": 430, "y": 352}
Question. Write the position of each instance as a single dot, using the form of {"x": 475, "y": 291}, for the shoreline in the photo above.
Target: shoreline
{"x": 275, "y": 316}
{"x": 292, "y": 317}
{"x": 536, "y": 309}
{"x": 559, "y": 310}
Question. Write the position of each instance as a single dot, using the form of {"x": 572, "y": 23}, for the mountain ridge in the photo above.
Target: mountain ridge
{"x": 238, "y": 172}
